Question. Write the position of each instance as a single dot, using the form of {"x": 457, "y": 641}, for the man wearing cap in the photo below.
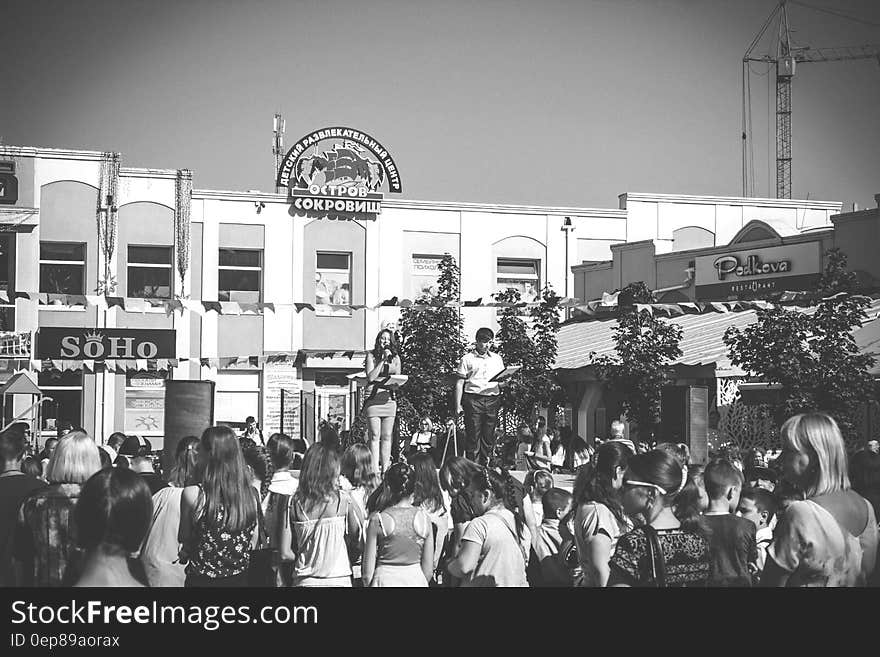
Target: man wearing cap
{"x": 478, "y": 397}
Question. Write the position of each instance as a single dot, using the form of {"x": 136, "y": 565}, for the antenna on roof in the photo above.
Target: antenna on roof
{"x": 277, "y": 145}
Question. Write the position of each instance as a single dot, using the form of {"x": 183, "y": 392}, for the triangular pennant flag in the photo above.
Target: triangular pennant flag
{"x": 22, "y": 295}
{"x": 302, "y": 306}
{"x": 267, "y": 306}
{"x": 161, "y": 364}
{"x": 77, "y": 300}
{"x": 358, "y": 307}
{"x": 389, "y": 302}
{"x": 249, "y": 307}
{"x": 4, "y": 297}
{"x": 348, "y": 354}
{"x": 473, "y": 304}
{"x": 174, "y": 362}
{"x": 609, "y": 299}
{"x": 133, "y": 305}
{"x": 194, "y": 306}
{"x": 141, "y": 364}
{"x": 229, "y": 308}
{"x": 89, "y": 365}
{"x": 213, "y": 305}
{"x": 97, "y": 301}
{"x": 204, "y": 362}
{"x": 115, "y": 302}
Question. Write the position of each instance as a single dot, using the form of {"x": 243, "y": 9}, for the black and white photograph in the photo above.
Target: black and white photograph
{"x": 301, "y": 294}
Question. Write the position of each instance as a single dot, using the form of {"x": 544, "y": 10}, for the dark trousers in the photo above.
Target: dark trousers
{"x": 480, "y": 416}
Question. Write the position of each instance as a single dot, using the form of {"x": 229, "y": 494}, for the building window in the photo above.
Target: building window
{"x": 241, "y": 275}
{"x": 150, "y": 272}
{"x": 522, "y": 275}
{"x": 425, "y": 275}
{"x": 333, "y": 283}
{"x": 237, "y": 396}
{"x": 65, "y": 389}
{"x": 145, "y": 403}
{"x": 7, "y": 284}
{"x": 62, "y": 267}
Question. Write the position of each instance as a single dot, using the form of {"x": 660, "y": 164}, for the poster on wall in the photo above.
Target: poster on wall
{"x": 425, "y": 275}
{"x": 281, "y": 414}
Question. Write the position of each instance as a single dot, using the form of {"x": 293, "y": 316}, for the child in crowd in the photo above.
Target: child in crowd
{"x": 399, "y": 546}
{"x": 525, "y": 441}
{"x": 359, "y": 480}
{"x": 759, "y": 506}
{"x": 428, "y": 495}
{"x": 557, "y": 452}
{"x": 549, "y": 569}
{"x": 732, "y": 542}
{"x": 538, "y": 482}
{"x": 697, "y": 477}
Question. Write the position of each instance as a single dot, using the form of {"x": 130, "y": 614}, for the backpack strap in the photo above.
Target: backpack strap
{"x": 655, "y": 556}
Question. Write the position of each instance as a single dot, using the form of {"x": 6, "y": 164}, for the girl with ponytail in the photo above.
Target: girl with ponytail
{"x": 495, "y": 546}
{"x": 671, "y": 548}
{"x": 399, "y": 547}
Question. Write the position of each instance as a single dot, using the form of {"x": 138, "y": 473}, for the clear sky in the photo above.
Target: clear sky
{"x": 552, "y": 102}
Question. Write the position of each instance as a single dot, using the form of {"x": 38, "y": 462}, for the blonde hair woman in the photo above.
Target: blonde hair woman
{"x": 46, "y": 519}
{"x": 829, "y": 538}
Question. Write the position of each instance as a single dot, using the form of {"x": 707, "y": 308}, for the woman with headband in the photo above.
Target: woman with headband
{"x": 670, "y": 549}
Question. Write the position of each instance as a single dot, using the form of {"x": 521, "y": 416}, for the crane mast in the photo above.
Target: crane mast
{"x": 785, "y": 60}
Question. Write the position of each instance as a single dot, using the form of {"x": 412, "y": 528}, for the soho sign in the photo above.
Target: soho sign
{"x": 105, "y": 344}
{"x": 93, "y": 348}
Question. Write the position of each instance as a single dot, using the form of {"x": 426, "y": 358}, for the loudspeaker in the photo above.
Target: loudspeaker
{"x": 189, "y": 410}
{"x": 685, "y": 419}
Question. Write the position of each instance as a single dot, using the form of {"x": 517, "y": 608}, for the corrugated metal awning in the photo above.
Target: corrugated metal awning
{"x": 701, "y": 343}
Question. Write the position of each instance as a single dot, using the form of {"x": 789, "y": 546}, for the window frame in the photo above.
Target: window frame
{"x": 534, "y": 262}
{"x": 258, "y": 269}
{"x": 149, "y": 265}
{"x": 324, "y": 310}
{"x": 70, "y": 263}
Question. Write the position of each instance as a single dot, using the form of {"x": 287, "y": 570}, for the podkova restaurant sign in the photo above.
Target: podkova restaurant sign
{"x": 103, "y": 344}
{"x": 756, "y": 272}
{"x": 337, "y": 173}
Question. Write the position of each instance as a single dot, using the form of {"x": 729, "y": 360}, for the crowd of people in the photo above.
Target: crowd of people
{"x": 232, "y": 513}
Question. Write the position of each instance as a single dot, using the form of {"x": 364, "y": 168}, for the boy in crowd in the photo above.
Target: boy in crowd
{"x": 732, "y": 543}
{"x": 548, "y": 569}
{"x": 759, "y": 506}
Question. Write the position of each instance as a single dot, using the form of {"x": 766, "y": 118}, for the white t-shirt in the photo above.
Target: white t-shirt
{"x": 476, "y": 370}
{"x": 502, "y": 561}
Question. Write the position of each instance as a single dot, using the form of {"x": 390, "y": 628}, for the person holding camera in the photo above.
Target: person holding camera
{"x": 380, "y": 407}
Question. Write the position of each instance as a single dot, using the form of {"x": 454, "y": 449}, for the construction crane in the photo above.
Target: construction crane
{"x": 785, "y": 60}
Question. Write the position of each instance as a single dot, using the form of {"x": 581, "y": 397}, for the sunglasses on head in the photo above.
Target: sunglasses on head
{"x": 633, "y": 482}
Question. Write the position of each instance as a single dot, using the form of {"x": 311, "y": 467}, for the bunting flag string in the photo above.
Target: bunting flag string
{"x": 608, "y": 302}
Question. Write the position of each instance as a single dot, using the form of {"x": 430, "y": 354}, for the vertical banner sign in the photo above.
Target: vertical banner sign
{"x": 338, "y": 173}
{"x": 278, "y": 377}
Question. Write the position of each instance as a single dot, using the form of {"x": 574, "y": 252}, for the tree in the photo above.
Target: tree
{"x": 814, "y": 357}
{"x": 645, "y": 347}
{"x": 432, "y": 345}
{"x": 533, "y": 347}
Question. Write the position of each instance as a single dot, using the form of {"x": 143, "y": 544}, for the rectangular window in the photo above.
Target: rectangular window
{"x": 150, "y": 272}
{"x": 62, "y": 267}
{"x": 145, "y": 403}
{"x": 240, "y": 276}
{"x": 237, "y": 396}
{"x": 425, "y": 274}
{"x": 65, "y": 389}
{"x": 522, "y": 275}
{"x": 332, "y": 284}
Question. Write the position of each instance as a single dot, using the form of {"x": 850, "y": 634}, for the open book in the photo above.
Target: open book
{"x": 506, "y": 373}
{"x": 389, "y": 381}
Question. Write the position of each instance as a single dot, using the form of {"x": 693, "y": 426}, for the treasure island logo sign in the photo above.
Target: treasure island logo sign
{"x": 338, "y": 173}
